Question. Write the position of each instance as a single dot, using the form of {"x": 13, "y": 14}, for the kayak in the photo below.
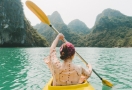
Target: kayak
{"x": 84, "y": 86}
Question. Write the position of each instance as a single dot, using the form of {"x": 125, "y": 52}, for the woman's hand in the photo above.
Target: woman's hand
{"x": 89, "y": 65}
{"x": 82, "y": 79}
{"x": 60, "y": 36}
{"x": 89, "y": 68}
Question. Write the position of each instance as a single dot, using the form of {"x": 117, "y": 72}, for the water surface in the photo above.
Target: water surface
{"x": 24, "y": 69}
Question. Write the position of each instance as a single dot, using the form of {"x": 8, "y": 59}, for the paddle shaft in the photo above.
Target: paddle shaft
{"x": 76, "y": 52}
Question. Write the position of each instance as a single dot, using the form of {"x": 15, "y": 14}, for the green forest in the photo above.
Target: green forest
{"x": 111, "y": 29}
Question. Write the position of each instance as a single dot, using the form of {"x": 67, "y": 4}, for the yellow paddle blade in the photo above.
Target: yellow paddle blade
{"x": 37, "y": 11}
{"x": 105, "y": 82}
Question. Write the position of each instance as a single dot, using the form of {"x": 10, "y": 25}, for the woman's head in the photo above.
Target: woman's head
{"x": 67, "y": 50}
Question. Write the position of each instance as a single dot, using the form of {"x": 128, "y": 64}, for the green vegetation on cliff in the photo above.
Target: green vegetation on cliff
{"x": 57, "y": 22}
{"x": 112, "y": 29}
{"x": 15, "y": 29}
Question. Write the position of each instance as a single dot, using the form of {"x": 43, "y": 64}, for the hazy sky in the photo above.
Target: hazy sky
{"x": 84, "y": 10}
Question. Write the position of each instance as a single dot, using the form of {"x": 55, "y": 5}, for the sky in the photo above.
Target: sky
{"x": 84, "y": 10}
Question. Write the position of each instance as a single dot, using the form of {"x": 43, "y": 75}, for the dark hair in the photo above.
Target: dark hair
{"x": 67, "y": 50}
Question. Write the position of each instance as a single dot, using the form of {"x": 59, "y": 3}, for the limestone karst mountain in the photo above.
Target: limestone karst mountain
{"x": 15, "y": 29}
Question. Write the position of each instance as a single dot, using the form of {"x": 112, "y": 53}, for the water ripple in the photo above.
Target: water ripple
{"x": 24, "y": 68}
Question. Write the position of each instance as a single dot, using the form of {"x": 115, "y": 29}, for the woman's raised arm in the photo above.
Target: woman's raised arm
{"x": 60, "y": 36}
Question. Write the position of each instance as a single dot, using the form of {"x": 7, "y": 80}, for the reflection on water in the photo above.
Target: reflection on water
{"x": 24, "y": 69}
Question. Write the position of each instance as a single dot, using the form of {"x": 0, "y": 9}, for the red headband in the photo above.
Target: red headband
{"x": 70, "y": 48}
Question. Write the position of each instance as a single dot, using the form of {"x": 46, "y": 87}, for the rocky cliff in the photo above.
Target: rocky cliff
{"x": 15, "y": 29}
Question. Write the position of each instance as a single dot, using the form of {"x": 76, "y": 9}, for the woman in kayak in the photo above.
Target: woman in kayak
{"x": 65, "y": 73}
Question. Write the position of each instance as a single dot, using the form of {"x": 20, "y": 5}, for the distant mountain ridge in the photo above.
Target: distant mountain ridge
{"x": 109, "y": 13}
{"x": 57, "y": 22}
{"x": 78, "y": 26}
{"x": 55, "y": 18}
{"x": 111, "y": 29}
{"x": 110, "y": 18}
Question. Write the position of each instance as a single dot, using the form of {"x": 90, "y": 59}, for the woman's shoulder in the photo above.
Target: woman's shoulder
{"x": 78, "y": 69}
{"x": 77, "y": 66}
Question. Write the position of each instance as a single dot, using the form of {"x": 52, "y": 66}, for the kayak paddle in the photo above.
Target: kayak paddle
{"x": 42, "y": 16}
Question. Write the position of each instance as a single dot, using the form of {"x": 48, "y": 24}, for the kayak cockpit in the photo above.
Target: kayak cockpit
{"x": 84, "y": 86}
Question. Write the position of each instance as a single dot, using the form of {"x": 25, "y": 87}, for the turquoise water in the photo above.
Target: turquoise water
{"x": 24, "y": 69}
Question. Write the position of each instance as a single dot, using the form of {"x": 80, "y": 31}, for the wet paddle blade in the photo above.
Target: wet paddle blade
{"x": 37, "y": 11}
{"x": 107, "y": 83}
